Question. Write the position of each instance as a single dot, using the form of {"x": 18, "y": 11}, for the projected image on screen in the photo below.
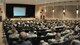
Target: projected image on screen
{"x": 19, "y": 11}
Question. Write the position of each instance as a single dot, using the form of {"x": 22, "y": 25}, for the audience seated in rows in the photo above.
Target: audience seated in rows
{"x": 60, "y": 30}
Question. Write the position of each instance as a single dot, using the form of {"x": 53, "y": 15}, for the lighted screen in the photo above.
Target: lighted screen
{"x": 19, "y": 11}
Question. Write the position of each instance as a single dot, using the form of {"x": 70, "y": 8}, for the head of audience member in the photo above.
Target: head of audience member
{"x": 58, "y": 36}
{"x": 13, "y": 30}
{"x": 23, "y": 35}
{"x": 42, "y": 41}
{"x": 65, "y": 28}
{"x": 7, "y": 19}
{"x": 71, "y": 37}
{"x": 31, "y": 31}
{"x": 76, "y": 29}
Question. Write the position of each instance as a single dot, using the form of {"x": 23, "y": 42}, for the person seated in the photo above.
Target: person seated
{"x": 23, "y": 40}
{"x": 42, "y": 42}
{"x": 12, "y": 36}
{"x": 13, "y": 33}
{"x": 12, "y": 30}
{"x": 75, "y": 42}
{"x": 51, "y": 34}
{"x": 50, "y": 41}
{"x": 7, "y": 21}
{"x": 66, "y": 31}
{"x": 58, "y": 37}
{"x": 31, "y": 34}
{"x": 76, "y": 30}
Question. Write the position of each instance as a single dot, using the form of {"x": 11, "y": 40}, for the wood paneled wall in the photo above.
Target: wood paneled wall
{"x": 58, "y": 12}
{"x": 70, "y": 12}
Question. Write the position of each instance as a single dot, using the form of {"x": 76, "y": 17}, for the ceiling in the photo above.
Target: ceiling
{"x": 35, "y": 2}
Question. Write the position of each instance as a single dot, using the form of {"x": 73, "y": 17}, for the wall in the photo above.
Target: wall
{"x": 37, "y": 11}
{"x": 58, "y": 14}
{"x": 70, "y": 10}
{"x": 2, "y": 14}
{"x": 2, "y": 11}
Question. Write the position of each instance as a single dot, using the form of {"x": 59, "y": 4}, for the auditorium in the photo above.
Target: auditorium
{"x": 39, "y": 22}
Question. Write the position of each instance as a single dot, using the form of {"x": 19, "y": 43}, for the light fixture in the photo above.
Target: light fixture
{"x": 63, "y": 10}
{"x": 77, "y": 10}
{"x": 45, "y": 9}
{"x": 53, "y": 10}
